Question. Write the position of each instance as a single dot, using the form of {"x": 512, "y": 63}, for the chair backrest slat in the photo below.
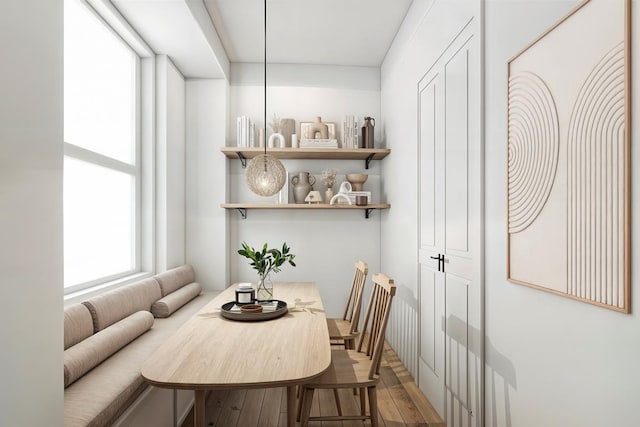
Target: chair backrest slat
{"x": 354, "y": 303}
{"x": 377, "y": 313}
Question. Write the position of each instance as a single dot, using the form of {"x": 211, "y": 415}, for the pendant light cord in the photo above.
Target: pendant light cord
{"x": 265, "y": 77}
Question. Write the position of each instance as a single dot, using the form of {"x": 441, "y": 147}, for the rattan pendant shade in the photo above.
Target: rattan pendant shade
{"x": 265, "y": 174}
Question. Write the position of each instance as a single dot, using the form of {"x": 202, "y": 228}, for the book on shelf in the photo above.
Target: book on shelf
{"x": 350, "y": 132}
{"x": 245, "y": 132}
{"x": 318, "y": 143}
{"x": 351, "y": 195}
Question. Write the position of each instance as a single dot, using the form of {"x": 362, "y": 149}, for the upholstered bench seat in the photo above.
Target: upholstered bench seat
{"x": 102, "y": 395}
{"x": 109, "y": 336}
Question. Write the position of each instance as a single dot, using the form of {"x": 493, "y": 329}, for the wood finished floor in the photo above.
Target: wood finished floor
{"x": 400, "y": 403}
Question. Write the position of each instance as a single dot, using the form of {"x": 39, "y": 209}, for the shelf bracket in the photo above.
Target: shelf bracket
{"x": 243, "y": 212}
{"x": 368, "y": 160}
{"x": 368, "y": 211}
{"x": 242, "y": 158}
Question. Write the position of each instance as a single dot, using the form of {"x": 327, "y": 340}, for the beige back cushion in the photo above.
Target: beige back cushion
{"x": 174, "y": 279}
{"x": 110, "y": 307}
{"x": 86, "y": 355}
{"x": 78, "y": 324}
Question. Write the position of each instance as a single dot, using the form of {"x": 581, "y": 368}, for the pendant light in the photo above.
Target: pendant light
{"x": 265, "y": 174}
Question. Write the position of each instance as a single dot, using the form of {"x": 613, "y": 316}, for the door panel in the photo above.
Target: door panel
{"x": 456, "y": 154}
{"x": 427, "y": 160}
{"x": 457, "y": 338}
{"x": 450, "y": 348}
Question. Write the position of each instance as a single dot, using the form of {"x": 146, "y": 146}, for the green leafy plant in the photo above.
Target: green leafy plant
{"x": 267, "y": 260}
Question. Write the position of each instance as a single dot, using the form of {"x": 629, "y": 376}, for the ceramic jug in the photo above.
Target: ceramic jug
{"x": 302, "y": 185}
{"x": 367, "y": 132}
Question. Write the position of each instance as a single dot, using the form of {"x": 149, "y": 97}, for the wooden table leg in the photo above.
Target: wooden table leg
{"x": 291, "y": 406}
{"x": 198, "y": 410}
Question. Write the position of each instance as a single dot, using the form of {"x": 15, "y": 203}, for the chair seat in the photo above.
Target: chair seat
{"x": 348, "y": 369}
{"x": 339, "y": 329}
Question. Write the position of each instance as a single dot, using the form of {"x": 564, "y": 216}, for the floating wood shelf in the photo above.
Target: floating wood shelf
{"x": 242, "y": 207}
{"x": 366, "y": 154}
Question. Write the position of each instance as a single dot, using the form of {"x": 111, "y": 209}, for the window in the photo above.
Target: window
{"x": 102, "y": 161}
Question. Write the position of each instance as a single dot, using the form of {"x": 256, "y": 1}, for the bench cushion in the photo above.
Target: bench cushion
{"x": 102, "y": 395}
{"x": 84, "y": 356}
{"x": 167, "y": 305}
{"x": 115, "y": 305}
{"x": 172, "y": 280}
{"x": 78, "y": 324}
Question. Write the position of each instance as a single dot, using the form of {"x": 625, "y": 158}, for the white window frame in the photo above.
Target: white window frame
{"x": 143, "y": 169}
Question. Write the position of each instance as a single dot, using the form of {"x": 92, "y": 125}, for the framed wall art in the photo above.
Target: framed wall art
{"x": 568, "y": 198}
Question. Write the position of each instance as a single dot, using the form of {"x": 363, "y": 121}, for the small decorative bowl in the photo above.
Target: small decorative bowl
{"x": 251, "y": 308}
{"x": 356, "y": 180}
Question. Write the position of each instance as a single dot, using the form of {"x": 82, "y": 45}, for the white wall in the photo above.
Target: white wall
{"x": 170, "y": 165}
{"x": 206, "y": 181}
{"x": 550, "y": 361}
{"x": 31, "y": 120}
{"x": 326, "y": 243}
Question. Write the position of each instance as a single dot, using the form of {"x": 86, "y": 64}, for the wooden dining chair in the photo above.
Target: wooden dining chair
{"x": 344, "y": 331}
{"x": 357, "y": 368}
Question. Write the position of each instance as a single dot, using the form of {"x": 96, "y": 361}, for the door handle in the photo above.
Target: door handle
{"x": 440, "y": 259}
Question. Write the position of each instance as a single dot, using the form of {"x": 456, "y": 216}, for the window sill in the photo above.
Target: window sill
{"x": 84, "y": 294}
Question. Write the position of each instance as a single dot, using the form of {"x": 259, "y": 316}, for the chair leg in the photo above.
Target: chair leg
{"x": 363, "y": 404}
{"x": 373, "y": 406}
{"x": 300, "y": 402}
{"x": 335, "y": 395}
{"x": 307, "y": 399}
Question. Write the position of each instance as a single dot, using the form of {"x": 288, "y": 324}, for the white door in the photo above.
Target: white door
{"x": 450, "y": 291}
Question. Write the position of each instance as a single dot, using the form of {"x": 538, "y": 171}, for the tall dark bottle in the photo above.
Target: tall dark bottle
{"x": 367, "y": 132}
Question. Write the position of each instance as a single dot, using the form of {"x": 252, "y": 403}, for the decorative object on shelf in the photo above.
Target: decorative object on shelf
{"x": 345, "y": 188}
{"x": 274, "y": 124}
{"x": 568, "y": 167}
{"x": 302, "y": 185}
{"x": 264, "y": 262}
{"x": 261, "y": 137}
{"x": 283, "y": 195}
{"x": 357, "y": 180}
{"x": 265, "y": 174}
{"x": 361, "y": 200}
{"x": 317, "y": 129}
{"x": 287, "y": 128}
{"x": 328, "y": 194}
{"x": 368, "y": 132}
{"x": 245, "y": 293}
{"x": 328, "y": 178}
{"x": 313, "y": 197}
{"x": 276, "y": 137}
{"x": 294, "y": 141}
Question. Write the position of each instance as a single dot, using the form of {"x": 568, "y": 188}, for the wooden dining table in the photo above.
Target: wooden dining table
{"x": 210, "y": 352}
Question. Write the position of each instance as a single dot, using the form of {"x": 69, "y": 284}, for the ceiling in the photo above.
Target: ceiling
{"x": 203, "y": 36}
